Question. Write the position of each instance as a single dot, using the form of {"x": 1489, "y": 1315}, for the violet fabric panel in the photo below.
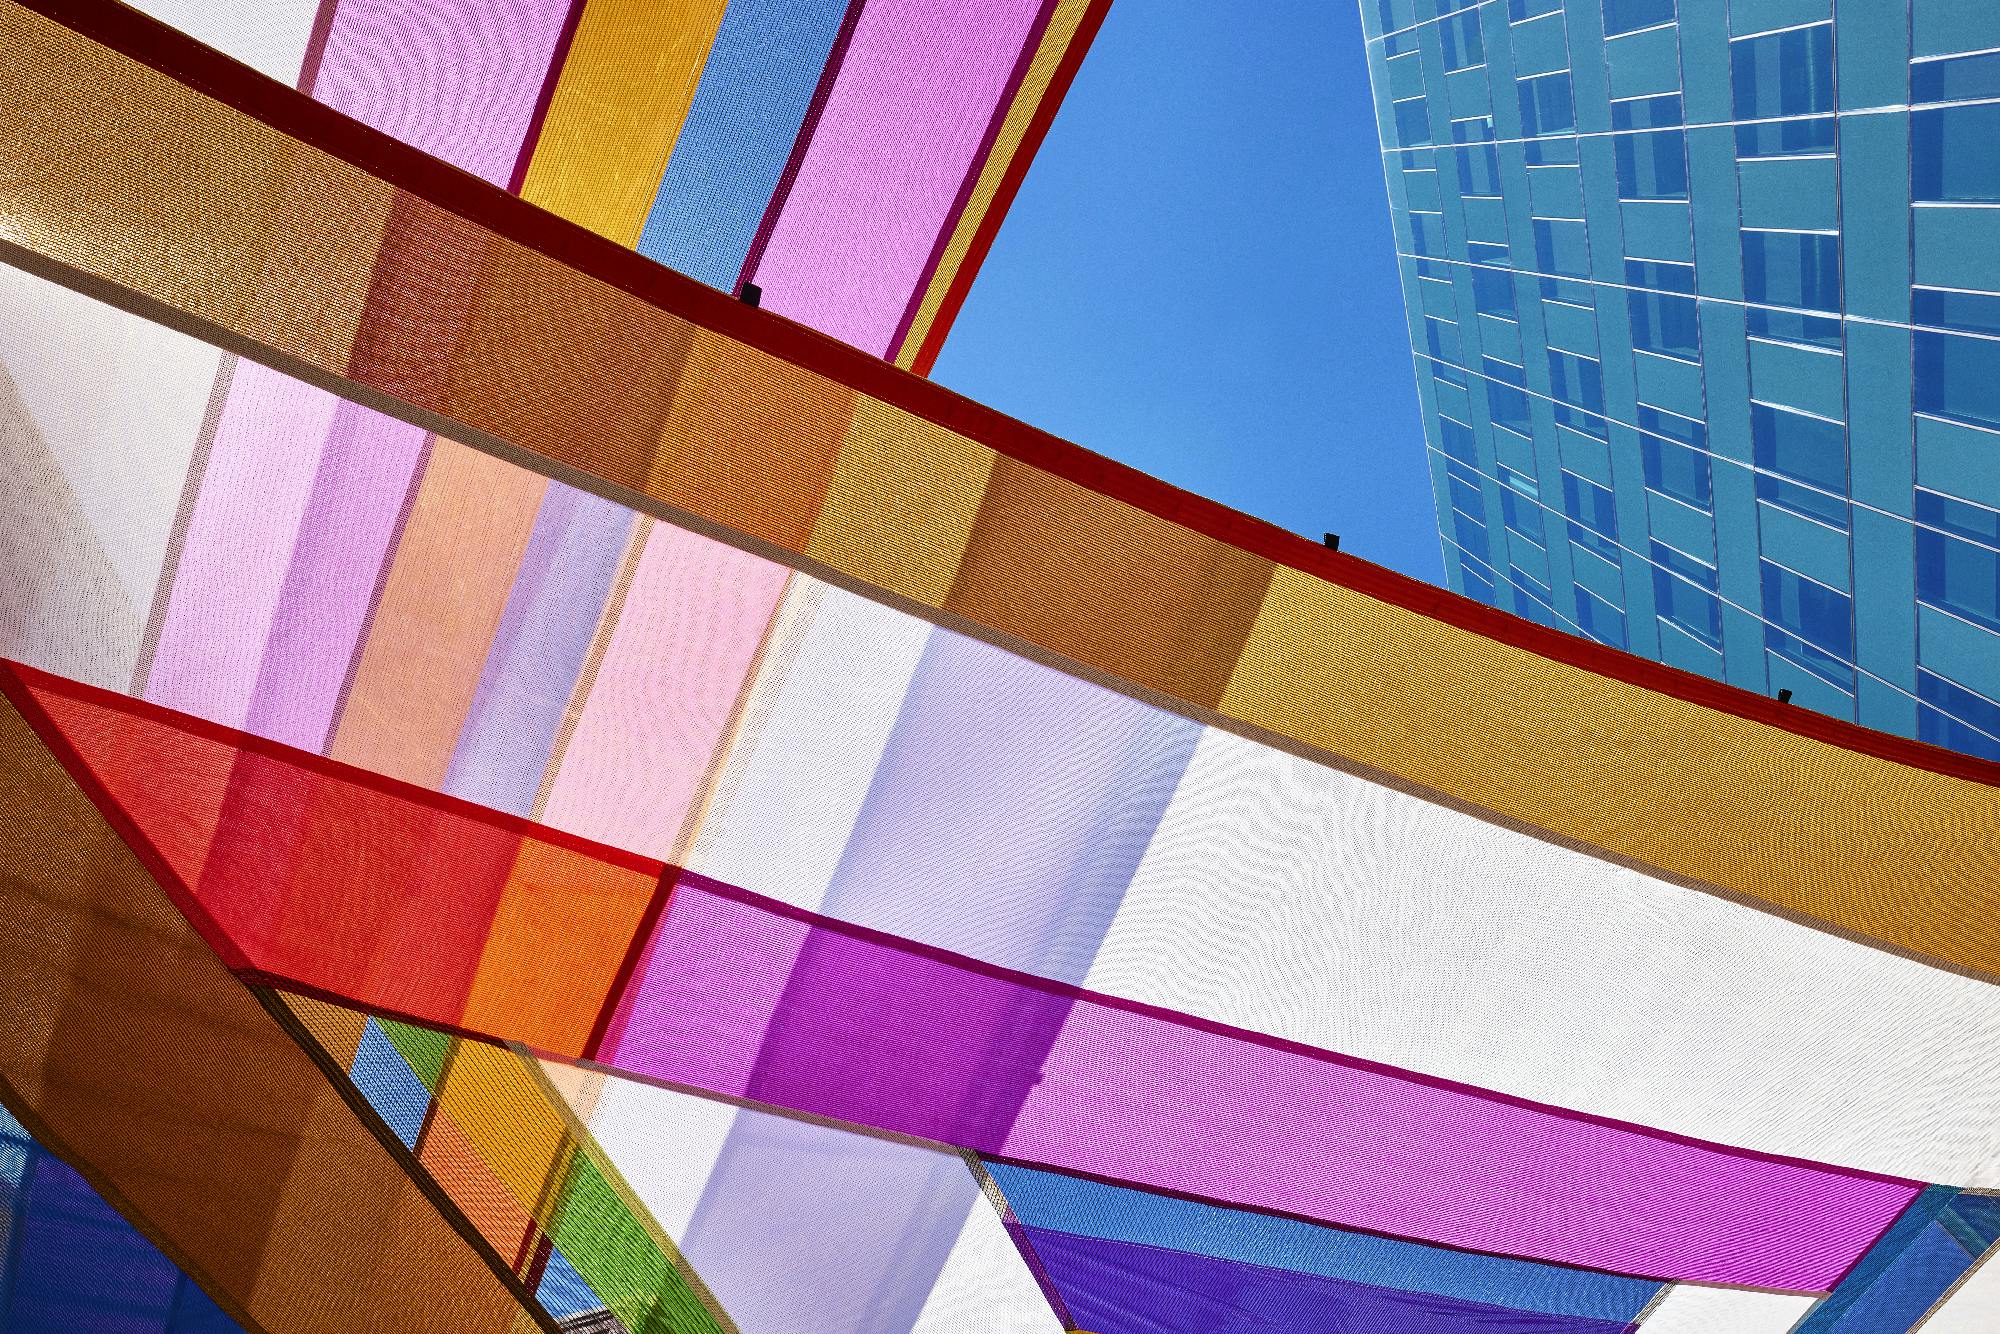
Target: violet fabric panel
{"x": 457, "y": 78}
{"x": 349, "y": 523}
{"x": 904, "y": 123}
{"x": 865, "y": 1224}
{"x": 545, "y": 633}
{"x": 883, "y": 1033}
{"x": 1009, "y": 810}
{"x": 1118, "y": 1285}
{"x": 258, "y": 479}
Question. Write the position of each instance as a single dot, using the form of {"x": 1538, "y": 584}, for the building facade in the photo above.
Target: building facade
{"x": 1705, "y": 303}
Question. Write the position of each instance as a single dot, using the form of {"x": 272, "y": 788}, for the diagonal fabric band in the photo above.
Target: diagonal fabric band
{"x": 338, "y": 254}
{"x": 330, "y": 881}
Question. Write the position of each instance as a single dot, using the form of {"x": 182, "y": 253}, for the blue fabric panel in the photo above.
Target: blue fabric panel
{"x": 1051, "y": 1201}
{"x": 564, "y": 1292}
{"x": 1910, "y": 1243}
{"x": 1132, "y": 1289}
{"x": 73, "y": 1263}
{"x": 747, "y": 110}
{"x": 390, "y": 1086}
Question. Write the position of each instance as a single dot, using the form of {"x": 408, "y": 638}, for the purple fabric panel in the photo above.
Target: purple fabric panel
{"x": 456, "y": 78}
{"x": 350, "y": 519}
{"x": 545, "y": 633}
{"x": 262, "y": 463}
{"x": 890, "y": 1034}
{"x": 1119, "y": 1285}
{"x": 906, "y": 117}
{"x": 1009, "y": 811}
{"x": 859, "y": 1226}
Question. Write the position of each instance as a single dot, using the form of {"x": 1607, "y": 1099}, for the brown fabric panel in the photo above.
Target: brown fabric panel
{"x": 148, "y": 1066}
{"x": 571, "y": 401}
{"x": 275, "y": 251}
{"x": 420, "y": 300}
{"x": 752, "y": 441}
{"x": 1108, "y": 584}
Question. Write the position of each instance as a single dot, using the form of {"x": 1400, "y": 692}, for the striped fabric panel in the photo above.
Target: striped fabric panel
{"x": 778, "y": 454}
{"x": 730, "y": 139}
{"x": 490, "y": 1129}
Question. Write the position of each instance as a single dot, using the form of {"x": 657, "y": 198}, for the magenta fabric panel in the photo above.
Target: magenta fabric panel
{"x": 350, "y": 520}
{"x": 457, "y": 78}
{"x": 903, "y": 125}
{"x": 748, "y": 998}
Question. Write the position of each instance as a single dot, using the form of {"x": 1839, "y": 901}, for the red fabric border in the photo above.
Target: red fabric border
{"x": 180, "y": 57}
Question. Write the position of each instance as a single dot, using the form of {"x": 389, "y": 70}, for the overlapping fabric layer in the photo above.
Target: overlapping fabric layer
{"x": 851, "y": 160}
{"x": 676, "y": 400}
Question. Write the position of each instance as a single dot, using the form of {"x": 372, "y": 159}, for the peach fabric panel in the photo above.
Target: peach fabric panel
{"x": 440, "y": 605}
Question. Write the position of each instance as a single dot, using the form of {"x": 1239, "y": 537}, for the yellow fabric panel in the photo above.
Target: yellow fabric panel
{"x": 489, "y": 1094}
{"x": 1903, "y": 855}
{"x": 904, "y": 498}
{"x": 1027, "y": 101}
{"x": 254, "y": 231}
{"x": 617, "y": 110}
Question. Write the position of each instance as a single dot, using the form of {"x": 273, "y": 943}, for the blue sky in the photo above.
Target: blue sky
{"x": 1198, "y": 276}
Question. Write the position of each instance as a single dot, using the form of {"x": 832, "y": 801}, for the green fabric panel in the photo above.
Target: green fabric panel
{"x": 598, "y": 1235}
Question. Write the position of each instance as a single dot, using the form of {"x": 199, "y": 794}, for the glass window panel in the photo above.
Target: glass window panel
{"x": 1950, "y": 715}
{"x": 1546, "y": 105}
{"x": 1651, "y": 165}
{"x": 1792, "y": 269}
{"x": 1678, "y": 471}
{"x": 1810, "y": 457}
{"x": 1958, "y": 377}
{"x": 1621, "y": 16}
{"x": 1599, "y": 619}
{"x": 1815, "y": 613}
{"x": 1962, "y": 577}
{"x": 1593, "y": 516}
{"x": 1783, "y": 73}
{"x": 1958, "y": 79}
{"x": 1493, "y": 292}
{"x": 1460, "y": 36}
{"x": 1955, "y": 154}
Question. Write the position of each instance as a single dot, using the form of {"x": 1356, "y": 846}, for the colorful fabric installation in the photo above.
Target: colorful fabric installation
{"x": 542, "y": 797}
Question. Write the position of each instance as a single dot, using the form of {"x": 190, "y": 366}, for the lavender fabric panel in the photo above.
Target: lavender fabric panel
{"x": 901, "y": 1037}
{"x": 457, "y": 78}
{"x": 1117, "y": 1285}
{"x": 350, "y": 520}
{"x": 256, "y": 484}
{"x": 860, "y": 1226}
{"x": 544, "y": 635}
{"x": 904, "y": 123}
{"x": 1009, "y": 810}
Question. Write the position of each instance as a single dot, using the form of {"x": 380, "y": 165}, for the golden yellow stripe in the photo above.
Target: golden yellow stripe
{"x": 618, "y": 108}
{"x": 1027, "y": 100}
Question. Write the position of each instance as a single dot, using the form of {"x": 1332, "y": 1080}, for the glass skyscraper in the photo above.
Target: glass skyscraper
{"x": 1705, "y": 302}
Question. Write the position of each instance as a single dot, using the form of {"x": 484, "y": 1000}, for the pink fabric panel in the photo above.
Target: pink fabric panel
{"x": 259, "y": 476}
{"x": 747, "y": 998}
{"x": 907, "y": 115}
{"x": 662, "y": 698}
{"x": 456, "y": 78}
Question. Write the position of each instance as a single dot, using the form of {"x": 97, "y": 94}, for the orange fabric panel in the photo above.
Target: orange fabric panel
{"x": 1108, "y": 585}
{"x": 131, "y": 1051}
{"x": 563, "y": 928}
{"x": 449, "y": 1156}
